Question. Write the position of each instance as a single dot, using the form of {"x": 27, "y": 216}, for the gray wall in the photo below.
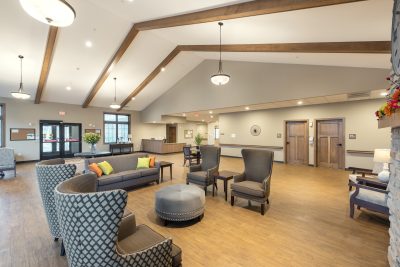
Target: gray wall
{"x": 254, "y": 83}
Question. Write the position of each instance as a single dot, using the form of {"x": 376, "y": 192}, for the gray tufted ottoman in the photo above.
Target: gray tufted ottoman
{"x": 180, "y": 202}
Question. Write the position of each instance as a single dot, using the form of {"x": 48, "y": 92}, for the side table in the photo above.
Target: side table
{"x": 164, "y": 164}
{"x": 224, "y": 176}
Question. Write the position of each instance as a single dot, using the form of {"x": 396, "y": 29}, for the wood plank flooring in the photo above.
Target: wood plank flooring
{"x": 306, "y": 224}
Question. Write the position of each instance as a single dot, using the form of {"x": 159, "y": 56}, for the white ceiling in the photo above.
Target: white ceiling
{"x": 106, "y": 22}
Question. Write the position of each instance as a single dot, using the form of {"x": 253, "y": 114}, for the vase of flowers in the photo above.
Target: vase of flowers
{"x": 92, "y": 139}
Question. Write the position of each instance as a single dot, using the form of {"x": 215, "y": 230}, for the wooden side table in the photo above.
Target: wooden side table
{"x": 164, "y": 164}
{"x": 224, "y": 176}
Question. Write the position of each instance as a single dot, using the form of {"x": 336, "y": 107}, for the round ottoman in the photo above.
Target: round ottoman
{"x": 180, "y": 202}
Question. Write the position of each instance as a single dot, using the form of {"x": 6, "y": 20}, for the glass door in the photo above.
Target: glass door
{"x": 72, "y": 139}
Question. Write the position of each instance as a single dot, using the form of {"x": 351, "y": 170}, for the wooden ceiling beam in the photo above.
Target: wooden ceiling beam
{"x": 247, "y": 9}
{"x": 151, "y": 76}
{"x": 372, "y": 47}
{"x": 111, "y": 64}
{"x": 48, "y": 57}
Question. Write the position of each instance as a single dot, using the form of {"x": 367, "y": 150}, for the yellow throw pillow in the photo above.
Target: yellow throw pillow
{"x": 105, "y": 167}
{"x": 143, "y": 163}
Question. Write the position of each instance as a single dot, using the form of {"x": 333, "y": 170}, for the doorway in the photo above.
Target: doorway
{"x": 330, "y": 143}
{"x": 296, "y": 142}
{"x": 59, "y": 140}
{"x": 171, "y": 133}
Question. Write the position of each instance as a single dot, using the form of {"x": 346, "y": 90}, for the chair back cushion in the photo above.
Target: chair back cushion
{"x": 257, "y": 164}
{"x": 119, "y": 163}
{"x": 7, "y": 159}
{"x": 210, "y": 156}
{"x": 49, "y": 174}
{"x": 186, "y": 151}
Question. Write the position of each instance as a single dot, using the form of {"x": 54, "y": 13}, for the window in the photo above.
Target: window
{"x": 2, "y": 125}
{"x": 116, "y": 127}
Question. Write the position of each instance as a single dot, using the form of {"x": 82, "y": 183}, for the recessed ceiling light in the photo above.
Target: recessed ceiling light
{"x": 202, "y": 120}
{"x": 88, "y": 44}
{"x": 211, "y": 112}
{"x": 162, "y": 69}
{"x": 246, "y": 108}
{"x": 211, "y": 116}
{"x": 133, "y": 98}
{"x": 68, "y": 88}
{"x": 384, "y": 94}
{"x": 299, "y": 102}
{"x": 183, "y": 114}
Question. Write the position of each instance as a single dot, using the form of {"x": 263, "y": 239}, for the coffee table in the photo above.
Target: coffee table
{"x": 224, "y": 176}
{"x": 164, "y": 164}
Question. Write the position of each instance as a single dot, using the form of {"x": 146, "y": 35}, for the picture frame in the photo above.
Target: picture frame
{"x": 98, "y": 131}
{"x": 188, "y": 134}
{"x": 22, "y": 134}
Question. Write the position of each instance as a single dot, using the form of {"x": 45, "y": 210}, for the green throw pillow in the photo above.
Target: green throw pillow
{"x": 143, "y": 163}
{"x": 105, "y": 167}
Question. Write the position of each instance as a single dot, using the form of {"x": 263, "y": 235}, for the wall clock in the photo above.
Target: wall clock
{"x": 396, "y": 37}
{"x": 255, "y": 130}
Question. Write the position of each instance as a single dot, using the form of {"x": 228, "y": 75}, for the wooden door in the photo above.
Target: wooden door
{"x": 330, "y": 147}
{"x": 296, "y": 142}
{"x": 171, "y": 134}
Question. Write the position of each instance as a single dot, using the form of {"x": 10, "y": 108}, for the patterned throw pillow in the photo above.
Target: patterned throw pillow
{"x": 143, "y": 163}
{"x": 105, "y": 167}
{"x": 96, "y": 169}
{"x": 152, "y": 162}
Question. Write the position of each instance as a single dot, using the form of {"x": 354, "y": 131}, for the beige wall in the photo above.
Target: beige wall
{"x": 200, "y": 128}
{"x": 359, "y": 119}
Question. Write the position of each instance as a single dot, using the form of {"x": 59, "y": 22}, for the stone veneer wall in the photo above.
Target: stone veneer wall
{"x": 394, "y": 201}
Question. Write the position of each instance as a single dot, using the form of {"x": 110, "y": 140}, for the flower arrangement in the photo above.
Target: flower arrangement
{"x": 198, "y": 139}
{"x": 392, "y": 98}
{"x": 91, "y": 138}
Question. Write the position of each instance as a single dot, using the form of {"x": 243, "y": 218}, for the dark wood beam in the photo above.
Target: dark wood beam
{"x": 151, "y": 76}
{"x": 373, "y": 47}
{"x": 48, "y": 57}
{"x": 252, "y": 8}
{"x": 111, "y": 64}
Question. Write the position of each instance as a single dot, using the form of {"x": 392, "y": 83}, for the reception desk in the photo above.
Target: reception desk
{"x": 160, "y": 147}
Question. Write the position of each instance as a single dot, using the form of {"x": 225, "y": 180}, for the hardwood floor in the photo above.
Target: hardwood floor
{"x": 306, "y": 224}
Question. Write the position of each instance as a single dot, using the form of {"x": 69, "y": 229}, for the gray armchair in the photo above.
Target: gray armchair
{"x": 49, "y": 174}
{"x": 203, "y": 174}
{"x": 96, "y": 232}
{"x": 7, "y": 161}
{"x": 254, "y": 183}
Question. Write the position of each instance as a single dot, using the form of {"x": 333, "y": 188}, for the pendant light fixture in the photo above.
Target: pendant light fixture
{"x": 20, "y": 94}
{"x": 53, "y": 12}
{"x": 114, "y": 104}
{"x": 220, "y": 78}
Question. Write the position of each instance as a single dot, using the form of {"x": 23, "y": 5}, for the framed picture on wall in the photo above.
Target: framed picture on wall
{"x": 98, "y": 131}
{"x": 188, "y": 134}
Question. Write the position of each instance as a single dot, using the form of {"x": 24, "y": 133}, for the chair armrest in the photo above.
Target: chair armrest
{"x": 211, "y": 172}
{"x": 358, "y": 186}
{"x": 195, "y": 168}
{"x": 238, "y": 178}
{"x": 266, "y": 183}
{"x": 127, "y": 227}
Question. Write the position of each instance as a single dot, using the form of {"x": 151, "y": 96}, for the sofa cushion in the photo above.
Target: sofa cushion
{"x": 143, "y": 238}
{"x": 200, "y": 176}
{"x": 249, "y": 188}
{"x": 143, "y": 163}
{"x": 372, "y": 197}
{"x": 128, "y": 175}
{"x": 96, "y": 169}
{"x": 119, "y": 163}
{"x": 105, "y": 167}
{"x": 148, "y": 172}
{"x": 110, "y": 179}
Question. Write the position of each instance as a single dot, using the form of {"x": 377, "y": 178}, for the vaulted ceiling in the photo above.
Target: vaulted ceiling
{"x": 106, "y": 23}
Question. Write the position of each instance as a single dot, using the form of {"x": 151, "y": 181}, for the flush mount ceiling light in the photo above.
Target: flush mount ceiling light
{"x": 53, "y": 12}
{"x": 115, "y": 105}
{"x": 20, "y": 94}
{"x": 220, "y": 78}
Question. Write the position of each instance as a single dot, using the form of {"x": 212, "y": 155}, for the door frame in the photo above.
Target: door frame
{"x": 168, "y": 126}
{"x": 343, "y": 163}
{"x": 285, "y": 135}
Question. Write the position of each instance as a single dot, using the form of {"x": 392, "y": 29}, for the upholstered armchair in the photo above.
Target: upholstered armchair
{"x": 96, "y": 232}
{"x": 203, "y": 174}
{"x": 371, "y": 198}
{"x": 49, "y": 174}
{"x": 254, "y": 183}
{"x": 7, "y": 161}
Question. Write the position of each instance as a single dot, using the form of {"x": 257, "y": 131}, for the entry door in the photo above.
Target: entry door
{"x": 72, "y": 139}
{"x": 296, "y": 142}
{"x": 330, "y": 148}
{"x": 50, "y": 138}
{"x": 171, "y": 133}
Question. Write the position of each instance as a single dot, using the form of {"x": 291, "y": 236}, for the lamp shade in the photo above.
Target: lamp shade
{"x": 382, "y": 155}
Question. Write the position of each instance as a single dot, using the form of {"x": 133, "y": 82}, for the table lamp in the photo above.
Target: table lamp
{"x": 383, "y": 156}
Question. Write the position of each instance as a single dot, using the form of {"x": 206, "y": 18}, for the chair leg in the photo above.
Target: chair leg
{"x": 267, "y": 201}
{"x": 262, "y": 208}
{"x": 358, "y": 207}
{"x": 205, "y": 190}
{"x": 232, "y": 200}
{"x": 351, "y": 210}
{"x": 249, "y": 203}
{"x": 62, "y": 253}
{"x": 55, "y": 239}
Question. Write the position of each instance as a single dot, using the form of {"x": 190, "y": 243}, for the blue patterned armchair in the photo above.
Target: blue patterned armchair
{"x": 49, "y": 174}
{"x": 97, "y": 232}
{"x": 7, "y": 161}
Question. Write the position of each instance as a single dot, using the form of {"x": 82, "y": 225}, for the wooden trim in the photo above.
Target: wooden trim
{"x": 48, "y": 57}
{"x": 364, "y": 152}
{"x": 151, "y": 76}
{"x": 368, "y": 47}
{"x": 3, "y": 124}
{"x": 110, "y": 66}
{"x": 251, "y": 146}
{"x": 252, "y": 8}
{"x": 307, "y": 136}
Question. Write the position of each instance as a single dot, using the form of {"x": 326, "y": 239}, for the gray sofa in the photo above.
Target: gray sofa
{"x": 125, "y": 173}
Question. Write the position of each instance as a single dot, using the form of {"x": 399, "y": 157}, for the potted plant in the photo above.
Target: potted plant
{"x": 92, "y": 139}
{"x": 198, "y": 139}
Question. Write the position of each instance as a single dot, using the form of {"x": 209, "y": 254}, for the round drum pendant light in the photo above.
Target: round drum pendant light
{"x": 114, "y": 104}
{"x": 220, "y": 78}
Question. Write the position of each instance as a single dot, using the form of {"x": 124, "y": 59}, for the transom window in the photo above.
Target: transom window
{"x": 116, "y": 127}
{"x": 2, "y": 125}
